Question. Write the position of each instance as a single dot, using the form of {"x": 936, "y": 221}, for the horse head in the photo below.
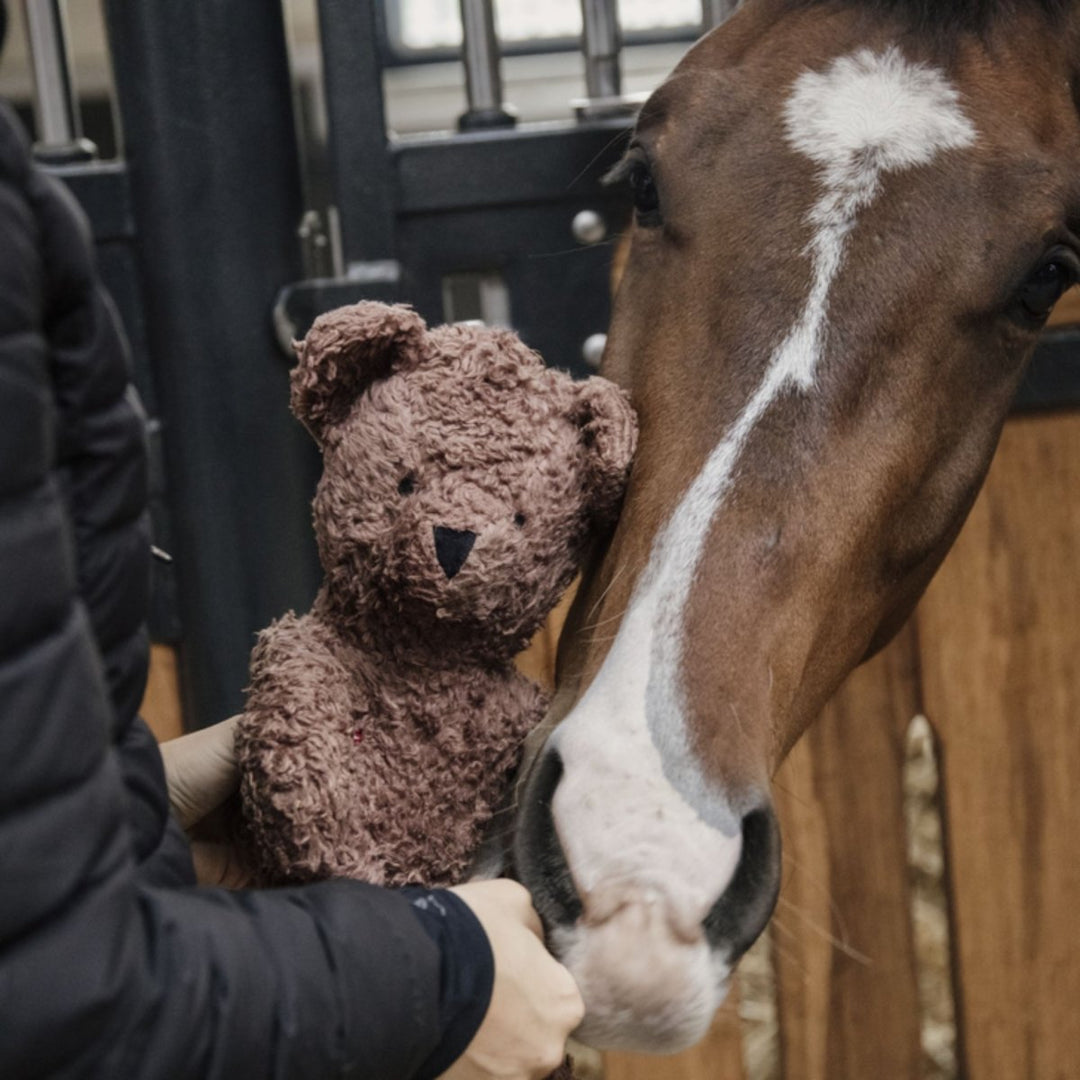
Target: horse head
{"x": 852, "y": 219}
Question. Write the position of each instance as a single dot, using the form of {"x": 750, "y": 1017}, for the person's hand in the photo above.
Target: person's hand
{"x": 200, "y": 770}
{"x": 202, "y": 776}
{"x": 535, "y": 1003}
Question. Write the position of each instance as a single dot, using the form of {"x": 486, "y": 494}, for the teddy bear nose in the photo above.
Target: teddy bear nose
{"x": 452, "y": 547}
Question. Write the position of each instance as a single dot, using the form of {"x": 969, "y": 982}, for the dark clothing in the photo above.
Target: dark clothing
{"x": 112, "y": 964}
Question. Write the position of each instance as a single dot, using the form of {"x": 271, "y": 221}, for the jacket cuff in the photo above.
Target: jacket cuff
{"x": 467, "y": 972}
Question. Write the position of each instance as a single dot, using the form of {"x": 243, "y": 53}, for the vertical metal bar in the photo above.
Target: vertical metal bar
{"x": 56, "y": 113}
{"x": 716, "y": 12}
{"x": 211, "y": 152}
{"x": 601, "y": 40}
{"x": 483, "y": 76}
{"x": 357, "y": 143}
{"x": 600, "y": 44}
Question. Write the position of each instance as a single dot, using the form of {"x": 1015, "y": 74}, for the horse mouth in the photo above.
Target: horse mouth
{"x": 645, "y": 989}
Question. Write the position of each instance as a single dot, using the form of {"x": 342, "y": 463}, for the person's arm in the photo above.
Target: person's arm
{"x": 101, "y": 974}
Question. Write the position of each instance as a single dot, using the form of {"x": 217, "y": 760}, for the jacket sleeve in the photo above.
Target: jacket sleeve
{"x": 102, "y": 973}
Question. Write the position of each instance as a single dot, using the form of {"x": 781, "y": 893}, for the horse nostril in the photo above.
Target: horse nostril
{"x": 540, "y": 862}
{"x": 740, "y": 915}
{"x": 452, "y": 547}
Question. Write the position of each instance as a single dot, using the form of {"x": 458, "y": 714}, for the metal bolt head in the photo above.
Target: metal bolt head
{"x": 593, "y": 350}
{"x": 588, "y": 227}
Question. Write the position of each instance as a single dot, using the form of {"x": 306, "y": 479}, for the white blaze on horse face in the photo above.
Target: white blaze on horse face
{"x": 866, "y": 115}
{"x": 634, "y": 809}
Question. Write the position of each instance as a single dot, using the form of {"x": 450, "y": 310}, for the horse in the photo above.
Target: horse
{"x": 852, "y": 219}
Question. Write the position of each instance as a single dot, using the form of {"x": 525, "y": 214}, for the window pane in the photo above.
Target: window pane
{"x": 432, "y": 24}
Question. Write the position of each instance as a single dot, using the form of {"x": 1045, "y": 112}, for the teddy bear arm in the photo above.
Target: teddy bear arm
{"x": 531, "y": 701}
{"x": 292, "y": 739}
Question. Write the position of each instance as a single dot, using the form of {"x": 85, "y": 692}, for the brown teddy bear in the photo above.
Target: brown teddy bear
{"x": 462, "y": 482}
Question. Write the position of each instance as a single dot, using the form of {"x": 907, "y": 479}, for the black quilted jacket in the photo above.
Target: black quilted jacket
{"x": 111, "y": 963}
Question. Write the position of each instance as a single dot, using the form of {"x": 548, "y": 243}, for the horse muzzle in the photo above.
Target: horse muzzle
{"x": 652, "y": 919}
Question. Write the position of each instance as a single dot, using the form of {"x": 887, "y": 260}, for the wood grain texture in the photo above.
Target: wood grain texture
{"x": 161, "y": 700}
{"x": 999, "y": 633}
{"x": 718, "y": 1057}
{"x": 842, "y": 933}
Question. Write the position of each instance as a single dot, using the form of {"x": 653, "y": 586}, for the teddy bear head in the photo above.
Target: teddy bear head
{"x": 462, "y": 478}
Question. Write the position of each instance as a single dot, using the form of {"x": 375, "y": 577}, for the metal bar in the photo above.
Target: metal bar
{"x": 394, "y": 56}
{"x": 56, "y": 113}
{"x": 716, "y": 12}
{"x": 216, "y": 193}
{"x": 600, "y": 45}
{"x": 357, "y": 141}
{"x": 601, "y": 41}
{"x": 491, "y": 169}
{"x": 483, "y": 76}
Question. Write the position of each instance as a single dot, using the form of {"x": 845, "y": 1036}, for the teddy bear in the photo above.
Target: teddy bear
{"x": 463, "y": 481}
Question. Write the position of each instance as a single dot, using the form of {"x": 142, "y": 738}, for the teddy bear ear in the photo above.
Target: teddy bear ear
{"x": 609, "y": 430}
{"x": 344, "y": 352}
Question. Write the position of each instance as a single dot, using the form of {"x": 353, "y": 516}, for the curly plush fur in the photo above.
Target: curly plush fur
{"x": 462, "y": 480}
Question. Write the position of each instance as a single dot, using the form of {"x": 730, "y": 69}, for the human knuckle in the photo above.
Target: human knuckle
{"x": 568, "y": 984}
{"x": 575, "y": 1010}
{"x": 516, "y": 891}
{"x": 552, "y": 1058}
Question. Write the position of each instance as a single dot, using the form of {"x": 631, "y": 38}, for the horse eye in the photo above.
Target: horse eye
{"x": 407, "y": 484}
{"x": 1044, "y": 288}
{"x": 646, "y": 197}
{"x": 634, "y": 169}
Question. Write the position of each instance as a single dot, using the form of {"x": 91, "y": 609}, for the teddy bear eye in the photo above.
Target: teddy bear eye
{"x": 519, "y": 520}
{"x": 407, "y": 484}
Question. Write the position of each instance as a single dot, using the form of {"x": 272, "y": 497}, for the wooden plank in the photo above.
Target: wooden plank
{"x": 537, "y": 661}
{"x": 161, "y": 701}
{"x": 999, "y": 634}
{"x": 717, "y": 1057}
{"x": 842, "y": 933}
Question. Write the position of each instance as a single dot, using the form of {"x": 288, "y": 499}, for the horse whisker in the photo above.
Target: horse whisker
{"x": 599, "y": 154}
{"x": 570, "y": 251}
{"x": 822, "y": 891}
{"x": 792, "y": 794}
{"x": 841, "y": 946}
{"x": 607, "y": 588}
{"x": 603, "y": 622}
{"x": 793, "y": 958}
